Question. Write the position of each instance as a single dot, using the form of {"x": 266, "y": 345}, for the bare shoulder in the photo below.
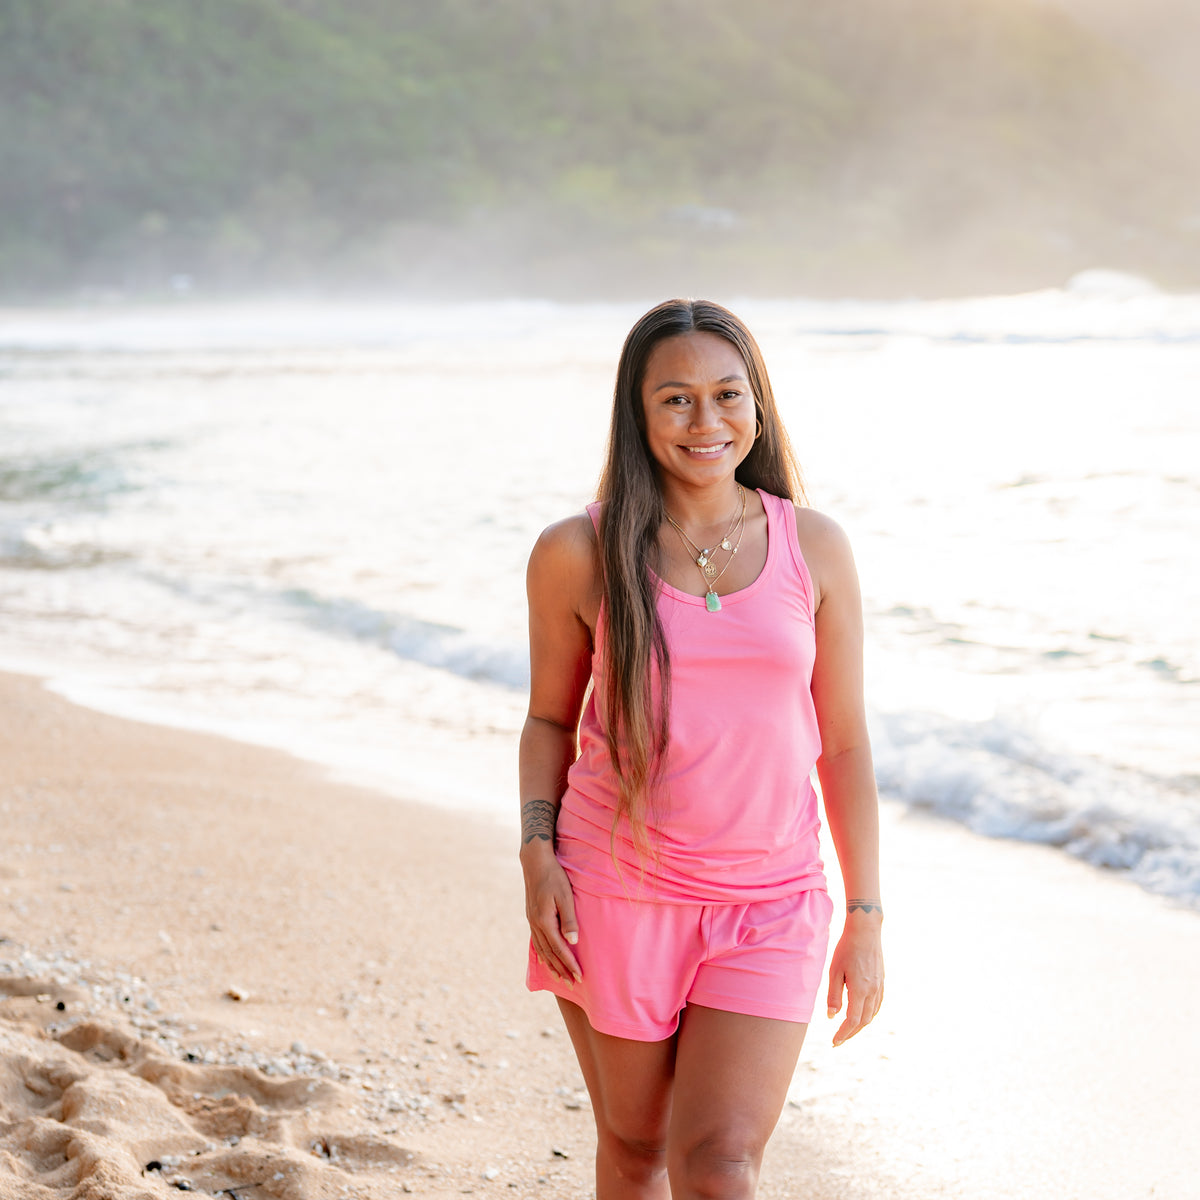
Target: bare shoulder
{"x": 826, "y": 550}
{"x": 821, "y": 530}
{"x": 564, "y": 559}
{"x": 569, "y": 542}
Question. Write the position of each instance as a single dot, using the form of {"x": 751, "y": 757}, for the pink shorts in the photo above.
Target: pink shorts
{"x": 642, "y": 962}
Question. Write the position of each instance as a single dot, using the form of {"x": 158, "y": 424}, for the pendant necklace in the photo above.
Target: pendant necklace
{"x": 703, "y": 557}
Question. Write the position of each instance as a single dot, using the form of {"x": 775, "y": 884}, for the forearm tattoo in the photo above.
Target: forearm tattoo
{"x": 865, "y": 905}
{"x": 537, "y": 821}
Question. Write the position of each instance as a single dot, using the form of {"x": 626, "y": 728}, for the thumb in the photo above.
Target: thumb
{"x": 835, "y": 997}
{"x": 566, "y": 919}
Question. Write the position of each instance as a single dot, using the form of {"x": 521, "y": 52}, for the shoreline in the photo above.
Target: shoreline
{"x": 1034, "y": 1004}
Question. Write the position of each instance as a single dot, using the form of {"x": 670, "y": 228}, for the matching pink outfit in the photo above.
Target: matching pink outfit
{"x": 730, "y": 910}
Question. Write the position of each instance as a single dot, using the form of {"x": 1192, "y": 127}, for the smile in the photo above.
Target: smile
{"x": 701, "y": 450}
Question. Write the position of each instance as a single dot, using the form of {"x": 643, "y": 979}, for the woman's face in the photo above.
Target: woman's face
{"x": 698, "y": 406}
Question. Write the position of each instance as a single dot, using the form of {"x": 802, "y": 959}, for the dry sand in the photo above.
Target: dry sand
{"x": 218, "y": 968}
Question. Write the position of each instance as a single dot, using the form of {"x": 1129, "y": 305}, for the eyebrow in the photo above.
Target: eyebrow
{"x": 675, "y": 383}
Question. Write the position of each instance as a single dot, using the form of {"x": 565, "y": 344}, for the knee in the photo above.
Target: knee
{"x": 636, "y": 1158}
{"x": 720, "y": 1166}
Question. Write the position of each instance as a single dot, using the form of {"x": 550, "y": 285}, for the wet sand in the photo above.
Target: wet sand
{"x": 215, "y": 960}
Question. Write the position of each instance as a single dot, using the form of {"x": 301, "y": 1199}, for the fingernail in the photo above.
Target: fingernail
{"x": 573, "y": 938}
{"x": 831, "y": 1012}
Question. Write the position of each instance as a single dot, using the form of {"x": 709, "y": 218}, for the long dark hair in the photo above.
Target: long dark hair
{"x": 631, "y": 514}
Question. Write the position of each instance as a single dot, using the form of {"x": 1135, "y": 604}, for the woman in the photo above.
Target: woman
{"x": 675, "y": 898}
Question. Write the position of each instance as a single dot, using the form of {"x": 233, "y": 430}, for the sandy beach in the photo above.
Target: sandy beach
{"x": 221, "y": 972}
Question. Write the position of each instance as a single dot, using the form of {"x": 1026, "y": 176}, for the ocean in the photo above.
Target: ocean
{"x": 306, "y": 525}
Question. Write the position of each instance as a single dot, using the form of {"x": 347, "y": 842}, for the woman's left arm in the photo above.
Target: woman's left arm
{"x": 845, "y": 769}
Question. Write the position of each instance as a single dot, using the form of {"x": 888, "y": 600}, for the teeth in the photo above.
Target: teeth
{"x": 704, "y": 449}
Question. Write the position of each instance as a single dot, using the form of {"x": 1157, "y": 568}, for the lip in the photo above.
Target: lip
{"x": 710, "y": 450}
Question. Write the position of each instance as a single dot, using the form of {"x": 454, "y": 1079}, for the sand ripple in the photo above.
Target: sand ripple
{"x": 91, "y": 1112}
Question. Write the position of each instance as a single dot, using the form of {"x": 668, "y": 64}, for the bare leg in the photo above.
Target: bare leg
{"x": 630, "y": 1086}
{"x": 731, "y": 1078}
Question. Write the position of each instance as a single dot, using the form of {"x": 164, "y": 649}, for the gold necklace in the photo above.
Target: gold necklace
{"x": 703, "y": 557}
{"x": 708, "y": 569}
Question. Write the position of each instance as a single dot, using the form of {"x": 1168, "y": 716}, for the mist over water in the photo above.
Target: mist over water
{"x": 308, "y": 526}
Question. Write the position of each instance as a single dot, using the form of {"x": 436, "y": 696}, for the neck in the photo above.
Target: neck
{"x": 701, "y": 508}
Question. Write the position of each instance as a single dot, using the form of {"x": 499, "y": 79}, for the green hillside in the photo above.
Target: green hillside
{"x": 566, "y": 147}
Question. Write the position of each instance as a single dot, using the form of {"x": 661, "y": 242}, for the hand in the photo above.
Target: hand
{"x": 857, "y": 966}
{"x": 550, "y": 909}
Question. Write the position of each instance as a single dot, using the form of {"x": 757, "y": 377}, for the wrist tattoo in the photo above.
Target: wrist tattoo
{"x": 537, "y": 821}
{"x": 865, "y": 905}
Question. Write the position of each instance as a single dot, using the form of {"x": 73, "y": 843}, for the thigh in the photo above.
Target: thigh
{"x": 628, "y": 1081}
{"x": 732, "y": 1074}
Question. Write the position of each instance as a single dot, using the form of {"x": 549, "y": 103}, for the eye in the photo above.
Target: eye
{"x": 676, "y": 401}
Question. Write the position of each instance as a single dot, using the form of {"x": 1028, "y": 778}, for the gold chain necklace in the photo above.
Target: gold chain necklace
{"x": 708, "y": 569}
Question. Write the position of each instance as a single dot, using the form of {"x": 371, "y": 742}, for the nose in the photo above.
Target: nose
{"x": 705, "y": 416}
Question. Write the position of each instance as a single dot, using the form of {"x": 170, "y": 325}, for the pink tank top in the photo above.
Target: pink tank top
{"x": 737, "y": 814}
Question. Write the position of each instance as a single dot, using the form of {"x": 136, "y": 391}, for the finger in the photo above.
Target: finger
{"x": 866, "y": 1003}
{"x": 855, "y": 1003}
{"x": 872, "y": 999}
{"x": 558, "y": 956}
{"x": 834, "y": 1001}
{"x": 556, "y": 967}
{"x": 561, "y": 971}
{"x": 848, "y": 1029}
{"x": 568, "y": 960}
{"x": 544, "y": 953}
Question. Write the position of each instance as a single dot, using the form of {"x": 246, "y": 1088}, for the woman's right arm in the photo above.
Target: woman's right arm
{"x": 561, "y": 583}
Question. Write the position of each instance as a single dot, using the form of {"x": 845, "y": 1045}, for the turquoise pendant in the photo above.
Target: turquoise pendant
{"x": 712, "y": 601}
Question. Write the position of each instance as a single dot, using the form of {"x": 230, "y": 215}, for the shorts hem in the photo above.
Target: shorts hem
{"x": 631, "y": 1033}
{"x": 796, "y": 1014}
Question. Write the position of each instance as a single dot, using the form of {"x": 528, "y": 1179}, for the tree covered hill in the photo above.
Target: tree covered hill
{"x": 574, "y": 147}
{"x": 1164, "y": 34}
